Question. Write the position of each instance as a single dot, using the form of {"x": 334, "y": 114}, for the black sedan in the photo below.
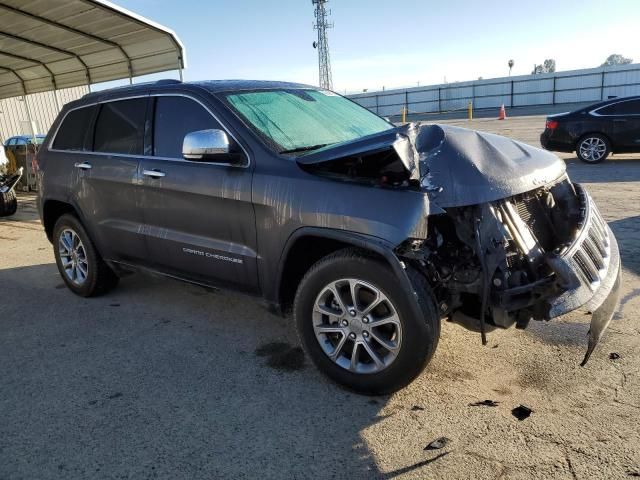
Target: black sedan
{"x": 597, "y": 130}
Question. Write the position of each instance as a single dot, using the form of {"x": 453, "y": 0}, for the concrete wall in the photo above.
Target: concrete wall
{"x": 13, "y": 114}
{"x": 552, "y": 89}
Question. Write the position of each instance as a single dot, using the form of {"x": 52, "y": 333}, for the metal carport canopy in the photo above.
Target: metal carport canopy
{"x": 52, "y": 44}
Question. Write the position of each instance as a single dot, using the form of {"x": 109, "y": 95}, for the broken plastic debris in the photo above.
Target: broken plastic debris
{"x": 437, "y": 444}
{"x": 485, "y": 403}
{"x": 614, "y": 356}
{"x": 417, "y": 407}
{"x": 521, "y": 412}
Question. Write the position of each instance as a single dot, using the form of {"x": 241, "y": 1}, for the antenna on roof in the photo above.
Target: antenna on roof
{"x": 322, "y": 44}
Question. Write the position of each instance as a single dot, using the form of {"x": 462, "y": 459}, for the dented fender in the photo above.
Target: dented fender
{"x": 365, "y": 242}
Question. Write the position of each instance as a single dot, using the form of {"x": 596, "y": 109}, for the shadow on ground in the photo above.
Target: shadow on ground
{"x": 627, "y": 232}
{"x": 160, "y": 378}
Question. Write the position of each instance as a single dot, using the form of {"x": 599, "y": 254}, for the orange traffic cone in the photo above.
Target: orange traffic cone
{"x": 503, "y": 113}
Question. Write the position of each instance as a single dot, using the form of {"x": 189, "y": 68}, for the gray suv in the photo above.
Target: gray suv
{"x": 370, "y": 234}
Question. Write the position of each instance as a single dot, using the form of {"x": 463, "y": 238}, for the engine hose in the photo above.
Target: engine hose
{"x": 485, "y": 283}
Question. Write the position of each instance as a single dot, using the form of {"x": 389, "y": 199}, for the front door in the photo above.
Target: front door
{"x": 629, "y": 125}
{"x": 626, "y": 124}
{"x": 199, "y": 219}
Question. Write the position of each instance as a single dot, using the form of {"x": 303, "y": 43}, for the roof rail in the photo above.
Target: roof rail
{"x": 164, "y": 81}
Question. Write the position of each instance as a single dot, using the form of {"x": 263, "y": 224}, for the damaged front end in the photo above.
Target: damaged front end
{"x": 536, "y": 255}
{"x": 509, "y": 238}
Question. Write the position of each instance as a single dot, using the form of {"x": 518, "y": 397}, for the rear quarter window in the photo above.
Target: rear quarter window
{"x": 73, "y": 130}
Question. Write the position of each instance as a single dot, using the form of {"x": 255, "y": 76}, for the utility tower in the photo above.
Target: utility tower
{"x": 321, "y": 25}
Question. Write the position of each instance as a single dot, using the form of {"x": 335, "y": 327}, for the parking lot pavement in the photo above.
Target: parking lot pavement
{"x": 164, "y": 380}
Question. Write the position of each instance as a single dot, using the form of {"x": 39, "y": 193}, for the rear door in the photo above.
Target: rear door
{"x": 625, "y": 116}
{"x": 108, "y": 180}
{"x": 198, "y": 215}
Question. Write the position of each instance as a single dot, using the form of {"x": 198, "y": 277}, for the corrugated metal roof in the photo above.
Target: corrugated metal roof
{"x": 52, "y": 44}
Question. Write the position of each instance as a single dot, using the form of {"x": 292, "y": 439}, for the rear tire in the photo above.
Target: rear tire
{"x": 410, "y": 342}
{"x": 8, "y": 203}
{"x": 80, "y": 265}
{"x": 593, "y": 148}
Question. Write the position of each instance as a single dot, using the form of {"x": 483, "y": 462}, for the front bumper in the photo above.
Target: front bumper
{"x": 590, "y": 266}
{"x": 590, "y": 270}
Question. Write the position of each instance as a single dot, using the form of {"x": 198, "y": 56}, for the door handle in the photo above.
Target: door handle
{"x": 83, "y": 166}
{"x": 619, "y": 120}
{"x": 153, "y": 173}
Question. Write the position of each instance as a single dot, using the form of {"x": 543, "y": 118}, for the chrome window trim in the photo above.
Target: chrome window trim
{"x": 224, "y": 127}
{"x": 92, "y": 104}
{"x": 595, "y": 113}
{"x": 150, "y": 157}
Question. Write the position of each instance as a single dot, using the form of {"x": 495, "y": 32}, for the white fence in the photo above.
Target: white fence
{"x": 576, "y": 86}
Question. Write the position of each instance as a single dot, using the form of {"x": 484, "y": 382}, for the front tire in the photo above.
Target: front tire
{"x": 593, "y": 148}
{"x": 80, "y": 265}
{"x": 356, "y": 324}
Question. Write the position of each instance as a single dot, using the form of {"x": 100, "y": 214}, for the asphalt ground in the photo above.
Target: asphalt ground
{"x": 160, "y": 379}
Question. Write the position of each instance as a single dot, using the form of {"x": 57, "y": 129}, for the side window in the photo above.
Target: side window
{"x": 120, "y": 127}
{"x": 72, "y": 133}
{"x": 174, "y": 118}
{"x": 630, "y": 107}
{"x": 11, "y": 141}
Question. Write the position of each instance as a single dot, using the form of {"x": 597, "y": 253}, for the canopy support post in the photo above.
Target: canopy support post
{"x": 26, "y": 107}
{"x": 33, "y": 139}
{"x": 55, "y": 95}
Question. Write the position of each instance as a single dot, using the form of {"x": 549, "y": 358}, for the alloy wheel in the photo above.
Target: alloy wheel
{"x": 73, "y": 257}
{"x": 592, "y": 149}
{"x": 357, "y": 326}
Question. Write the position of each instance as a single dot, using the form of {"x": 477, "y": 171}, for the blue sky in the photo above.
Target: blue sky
{"x": 389, "y": 43}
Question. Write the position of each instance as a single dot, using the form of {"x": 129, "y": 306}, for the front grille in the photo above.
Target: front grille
{"x": 527, "y": 219}
{"x": 591, "y": 252}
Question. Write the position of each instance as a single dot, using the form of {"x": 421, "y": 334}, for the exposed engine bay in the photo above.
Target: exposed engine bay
{"x": 382, "y": 168}
{"x": 507, "y": 262}
{"x": 509, "y": 237}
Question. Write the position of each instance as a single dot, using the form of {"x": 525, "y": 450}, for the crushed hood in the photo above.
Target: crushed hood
{"x": 455, "y": 165}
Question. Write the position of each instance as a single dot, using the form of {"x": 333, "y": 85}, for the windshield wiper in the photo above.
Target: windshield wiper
{"x": 305, "y": 149}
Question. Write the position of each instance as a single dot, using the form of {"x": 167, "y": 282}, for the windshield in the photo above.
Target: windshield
{"x": 300, "y": 120}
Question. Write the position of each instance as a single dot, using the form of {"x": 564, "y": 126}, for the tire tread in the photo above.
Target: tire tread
{"x": 407, "y": 373}
{"x": 104, "y": 279}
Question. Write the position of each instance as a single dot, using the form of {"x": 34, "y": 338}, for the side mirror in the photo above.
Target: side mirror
{"x": 206, "y": 145}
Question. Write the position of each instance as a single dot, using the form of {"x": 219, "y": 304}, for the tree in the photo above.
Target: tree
{"x": 548, "y": 66}
{"x": 616, "y": 59}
